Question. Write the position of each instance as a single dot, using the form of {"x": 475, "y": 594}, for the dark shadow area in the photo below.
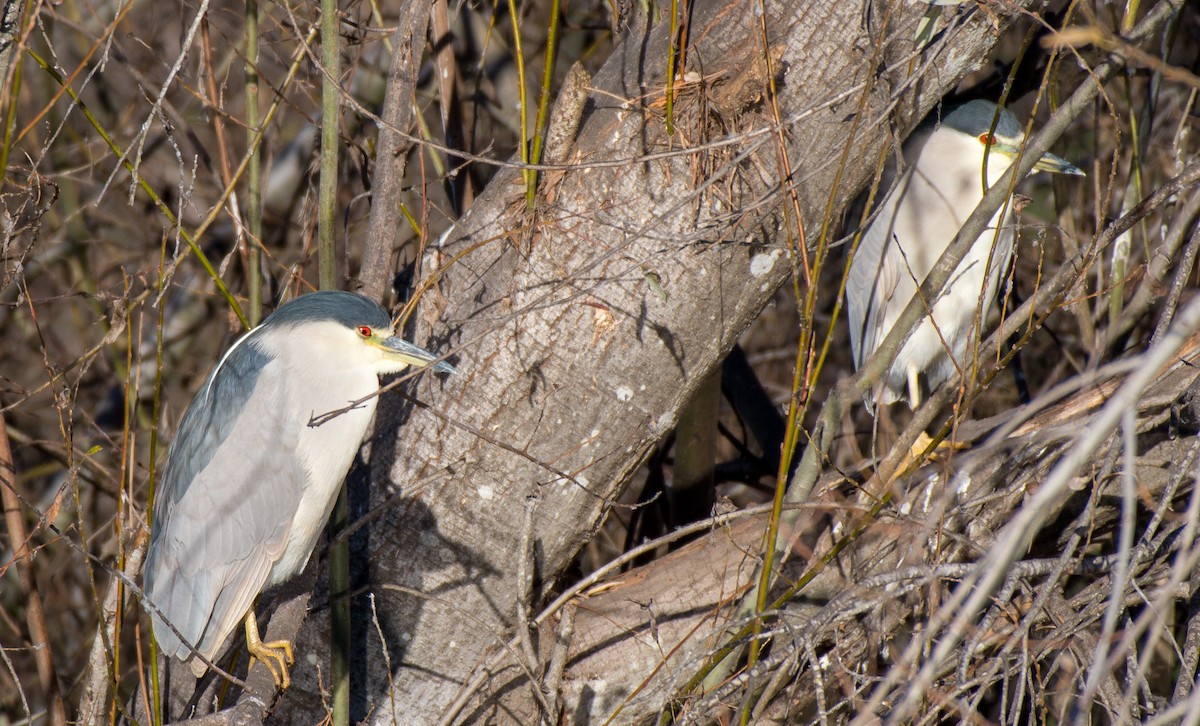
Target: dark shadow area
{"x": 386, "y": 581}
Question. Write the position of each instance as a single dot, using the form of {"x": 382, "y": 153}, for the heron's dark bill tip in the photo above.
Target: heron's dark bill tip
{"x": 1058, "y": 165}
{"x": 416, "y": 356}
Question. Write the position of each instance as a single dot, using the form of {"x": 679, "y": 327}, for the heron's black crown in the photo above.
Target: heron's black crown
{"x": 975, "y": 117}
{"x": 347, "y": 308}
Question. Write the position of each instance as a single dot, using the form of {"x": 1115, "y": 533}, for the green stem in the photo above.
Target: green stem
{"x": 539, "y": 129}
{"x": 13, "y": 45}
{"x": 254, "y": 170}
{"x": 339, "y": 555}
{"x": 327, "y": 193}
{"x": 671, "y": 68}
{"x": 527, "y": 173}
{"x": 156, "y": 716}
{"x": 10, "y": 119}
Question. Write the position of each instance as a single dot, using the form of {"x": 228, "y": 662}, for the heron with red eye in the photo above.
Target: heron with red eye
{"x": 250, "y": 479}
{"x": 917, "y": 220}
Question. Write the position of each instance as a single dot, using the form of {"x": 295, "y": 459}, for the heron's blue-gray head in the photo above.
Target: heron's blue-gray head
{"x": 358, "y": 328}
{"x": 975, "y": 118}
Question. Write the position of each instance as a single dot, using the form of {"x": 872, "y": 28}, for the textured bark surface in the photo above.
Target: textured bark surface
{"x": 572, "y": 363}
{"x": 643, "y": 635}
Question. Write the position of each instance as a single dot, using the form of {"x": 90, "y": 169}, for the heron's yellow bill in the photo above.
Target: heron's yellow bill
{"x": 414, "y": 355}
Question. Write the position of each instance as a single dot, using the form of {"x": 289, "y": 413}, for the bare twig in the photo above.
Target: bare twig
{"x": 99, "y": 677}
{"x": 391, "y": 156}
{"x": 34, "y": 615}
{"x": 1183, "y": 273}
{"x": 526, "y": 591}
{"x": 952, "y": 620}
{"x": 552, "y": 683}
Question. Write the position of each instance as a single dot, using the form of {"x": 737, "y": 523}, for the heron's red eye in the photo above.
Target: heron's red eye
{"x": 364, "y": 331}
{"x": 987, "y": 139}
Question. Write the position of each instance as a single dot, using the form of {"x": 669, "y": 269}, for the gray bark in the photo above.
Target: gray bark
{"x": 392, "y": 152}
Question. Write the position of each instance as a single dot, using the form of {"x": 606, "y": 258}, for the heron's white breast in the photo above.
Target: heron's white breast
{"x": 326, "y": 377}
{"x": 936, "y": 188}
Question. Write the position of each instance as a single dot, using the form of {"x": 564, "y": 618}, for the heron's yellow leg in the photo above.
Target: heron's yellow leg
{"x": 913, "y": 458}
{"x": 918, "y": 447}
{"x": 923, "y": 439}
{"x": 914, "y": 402}
{"x": 276, "y": 655}
{"x": 914, "y": 387}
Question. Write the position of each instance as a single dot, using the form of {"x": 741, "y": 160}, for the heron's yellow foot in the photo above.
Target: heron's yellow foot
{"x": 918, "y": 448}
{"x": 916, "y": 452}
{"x": 923, "y": 441}
{"x": 911, "y": 458}
{"x": 275, "y": 655}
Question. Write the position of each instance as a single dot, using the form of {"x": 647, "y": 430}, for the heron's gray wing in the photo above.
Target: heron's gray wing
{"x": 216, "y": 541}
{"x": 209, "y": 420}
{"x": 870, "y": 283}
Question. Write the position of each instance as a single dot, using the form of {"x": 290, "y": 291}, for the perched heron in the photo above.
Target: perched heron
{"x": 256, "y": 465}
{"x": 942, "y": 182}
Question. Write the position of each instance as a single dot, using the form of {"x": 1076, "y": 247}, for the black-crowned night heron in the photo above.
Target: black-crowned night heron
{"x": 942, "y": 182}
{"x": 251, "y": 478}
